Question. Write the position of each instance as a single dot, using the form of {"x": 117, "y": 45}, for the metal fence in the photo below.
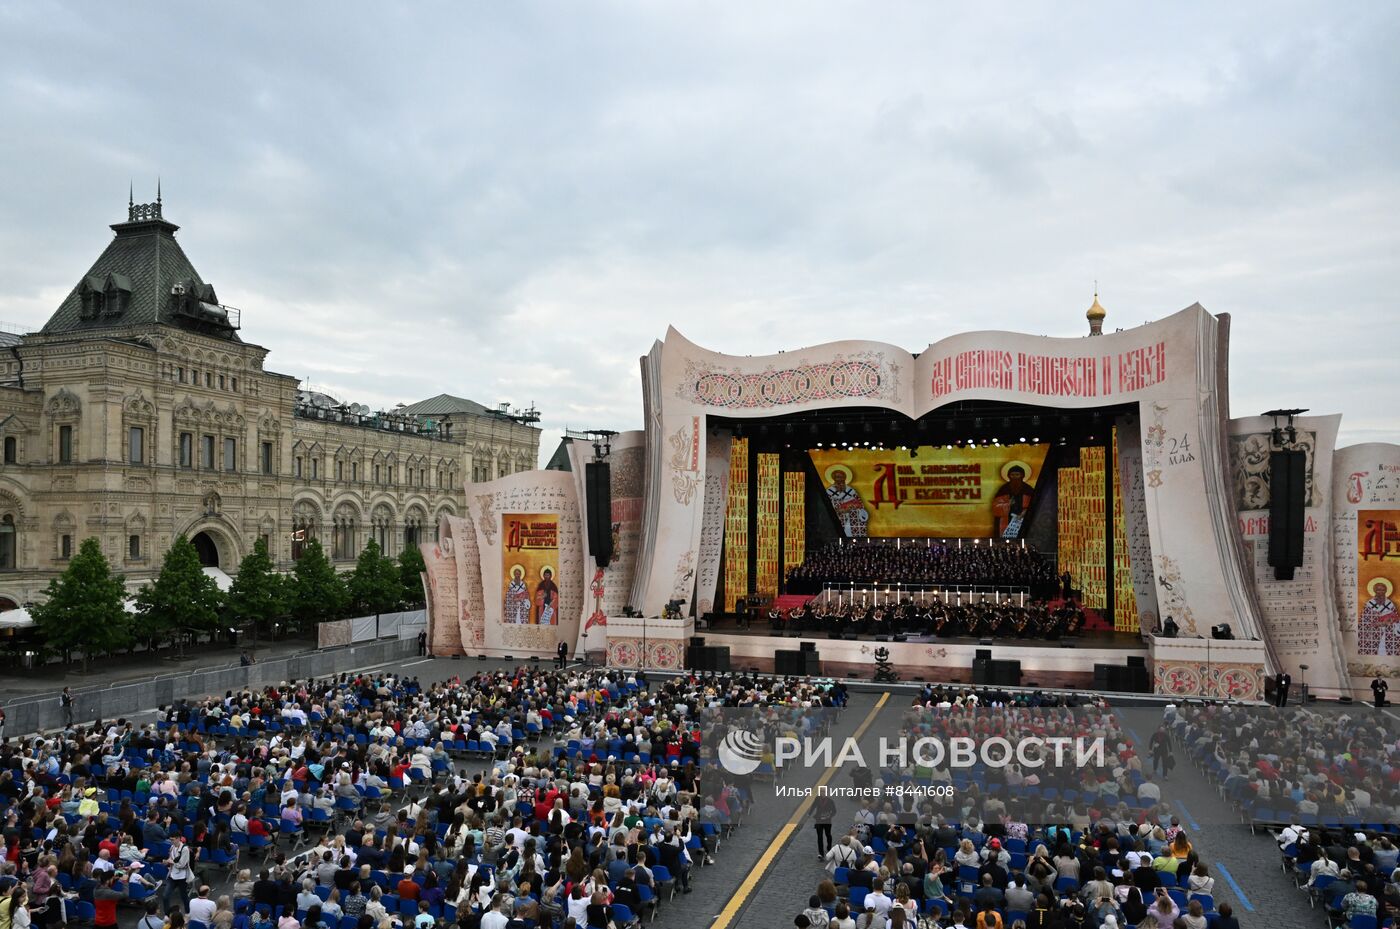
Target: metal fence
{"x": 128, "y": 698}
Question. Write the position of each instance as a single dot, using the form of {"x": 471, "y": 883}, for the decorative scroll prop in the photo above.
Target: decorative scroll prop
{"x": 976, "y": 492}
{"x": 736, "y": 526}
{"x": 768, "y": 504}
{"x": 794, "y": 519}
{"x": 712, "y": 525}
{"x": 1300, "y": 615}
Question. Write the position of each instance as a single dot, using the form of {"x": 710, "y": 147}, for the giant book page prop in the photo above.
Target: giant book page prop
{"x": 1300, "y": 615}
{"x": 529, "y": 546}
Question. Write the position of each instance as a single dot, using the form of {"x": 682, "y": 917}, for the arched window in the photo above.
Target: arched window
{"x": 9, "y": 542}
{"x": 343, "y": 535}
{"x": 383, "y": 520}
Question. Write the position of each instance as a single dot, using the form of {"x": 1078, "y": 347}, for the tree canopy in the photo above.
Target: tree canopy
{"x": 182, "y": 597}
{"x": 411, "y": 570}
{"x": 375, "y": 585}
{"x": 317, "y": 591}
{"x": 85, "y": 606}
{"x": 258, "y": 594}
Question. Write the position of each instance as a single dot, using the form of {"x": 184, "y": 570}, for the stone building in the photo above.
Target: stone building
{"x": 137, "y": 413}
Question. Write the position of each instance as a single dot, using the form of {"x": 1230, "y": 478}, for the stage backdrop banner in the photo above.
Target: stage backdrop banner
{"x": 1377, "y": 579}
{"x": 931, "y": 491}
{"x": 1365, "y": 497}
{"x": 530, "y": 569}
{"x": 529, "y": 541}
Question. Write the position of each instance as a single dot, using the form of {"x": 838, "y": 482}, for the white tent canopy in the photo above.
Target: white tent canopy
{"x": 16, "y": 619}
{"x": 220, "y": 578}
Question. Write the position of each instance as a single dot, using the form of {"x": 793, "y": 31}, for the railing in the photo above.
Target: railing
{"x": 400, "y": 425}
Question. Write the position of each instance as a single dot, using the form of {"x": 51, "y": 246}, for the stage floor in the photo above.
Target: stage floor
{"x": 1094, "y": 638}
{"x": 1067, "y": 662}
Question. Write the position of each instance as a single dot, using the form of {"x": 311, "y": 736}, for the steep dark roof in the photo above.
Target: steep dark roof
{"x": 559, "y": 461}
{"x": 442, "y": 405}
{"x": 142, "y": 264}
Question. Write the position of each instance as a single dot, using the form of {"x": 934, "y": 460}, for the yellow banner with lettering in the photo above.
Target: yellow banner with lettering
{"x": 975, "y": 492}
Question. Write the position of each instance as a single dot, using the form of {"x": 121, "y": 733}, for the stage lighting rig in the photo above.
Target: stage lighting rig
{"x": 1285, "y": 436}
{"x": 602, "y": 442}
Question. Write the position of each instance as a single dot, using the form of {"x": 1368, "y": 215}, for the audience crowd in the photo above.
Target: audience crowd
{"x": 1039, "y": 846}
{"x": 1323, "y": 785}
{"x": 348, "y": 803}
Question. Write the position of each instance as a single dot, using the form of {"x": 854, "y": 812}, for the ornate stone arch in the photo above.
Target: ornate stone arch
{"x": 346, "y": 519}
{"x": 222, "y": 533}
{"x": 306, "y": 523}
{"x": 14, "y": 534}
{"x": 414, "y": 519}
{"x": 382, "y": 520}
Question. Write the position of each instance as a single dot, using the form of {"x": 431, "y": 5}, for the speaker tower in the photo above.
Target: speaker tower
{"x": 598, "y": 488}
{"x": 1287, "y": 493}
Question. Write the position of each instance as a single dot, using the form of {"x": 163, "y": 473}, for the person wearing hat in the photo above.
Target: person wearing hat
{"x": 88, "y": 806}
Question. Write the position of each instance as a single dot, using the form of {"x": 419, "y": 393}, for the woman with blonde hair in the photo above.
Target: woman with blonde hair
{"x": 967, "y": 855}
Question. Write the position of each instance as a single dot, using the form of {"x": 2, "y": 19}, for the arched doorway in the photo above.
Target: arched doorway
{"x": 207, "y": 550}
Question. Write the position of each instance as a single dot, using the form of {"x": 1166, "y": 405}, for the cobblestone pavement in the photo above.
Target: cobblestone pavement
{"x": 1251, "y": 862}
{"x": 795, "y": 873}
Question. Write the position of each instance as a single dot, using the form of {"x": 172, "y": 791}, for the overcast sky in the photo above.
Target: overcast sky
{"x": 510, "y": 201}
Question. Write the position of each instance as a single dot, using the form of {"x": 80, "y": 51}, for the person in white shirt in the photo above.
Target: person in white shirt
{"x": 841, "y": 855}
{"x": 878, "y": 900}
{"x": 495, "y": 919}
{"x": 1149, "y": 791}
{"x": 1291, "y": 834}
{"x": 202, "y": 909}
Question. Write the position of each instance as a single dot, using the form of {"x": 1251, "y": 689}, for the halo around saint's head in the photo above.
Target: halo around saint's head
{"x": 830, "y": 474}
{"x": 517, "y": 567}
{"x": 1380, "y": 584}
{"x": 546, "y": 567}
{"x": 1015, "y": 463}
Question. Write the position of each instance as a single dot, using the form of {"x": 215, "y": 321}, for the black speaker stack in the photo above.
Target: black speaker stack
{"x": 707, "y": 657}
{"x": 995, "y": 672}
{"x": 799, "y": 662}
{"x": 1125, "y": 679}
{"x": 1287, "y": 498}
{"x": 598, "y": 488}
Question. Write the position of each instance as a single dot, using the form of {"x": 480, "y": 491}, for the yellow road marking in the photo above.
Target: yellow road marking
{"x": 736, "y": 902}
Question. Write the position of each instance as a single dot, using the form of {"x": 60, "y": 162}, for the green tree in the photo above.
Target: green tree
{"x": 411, "y": 570}
{"x": 317, "y": 592}
{"x": 85, "y": 606}
{"x": 375, "y": 586}
{"x": 258, "y": 594}
{"x": 182, "y": 597}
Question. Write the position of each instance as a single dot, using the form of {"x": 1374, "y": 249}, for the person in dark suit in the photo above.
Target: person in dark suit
{"x": 562, "y": 655}
{"x": 1281, "y": 685}
{"x": 1378, "y": 689}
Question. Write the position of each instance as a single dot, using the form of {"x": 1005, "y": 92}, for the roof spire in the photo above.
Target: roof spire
{"x": 130, "y": 194}
{"x": 158, "y": 201}
{"x": 1096, "y": 314}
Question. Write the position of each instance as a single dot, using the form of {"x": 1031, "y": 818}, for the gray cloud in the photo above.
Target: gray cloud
{"x": 511, "y": 202}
